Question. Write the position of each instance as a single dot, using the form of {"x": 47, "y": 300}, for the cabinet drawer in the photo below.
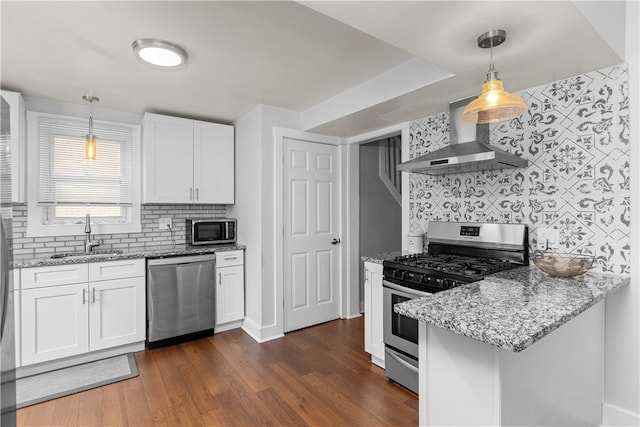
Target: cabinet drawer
{"x": 108, "y": 270}
{"x": 38, "y": 277}
{"x": 229, "y": 258}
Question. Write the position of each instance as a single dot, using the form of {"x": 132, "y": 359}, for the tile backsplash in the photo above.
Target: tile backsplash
{"x": 150, "y": 236}
{"x": 576, "y": 138}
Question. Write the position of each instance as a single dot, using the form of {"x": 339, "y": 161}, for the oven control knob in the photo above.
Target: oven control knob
{"x": 424, "y": 278}
{"x": 439, "y": 282}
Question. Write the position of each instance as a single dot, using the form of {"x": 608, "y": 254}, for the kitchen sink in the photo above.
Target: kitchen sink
{"x": 102, "y": 253}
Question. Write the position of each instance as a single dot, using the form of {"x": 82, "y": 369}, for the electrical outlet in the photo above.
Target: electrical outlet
{"x": 164, "y": 223}
{"x": 548, "y": 238}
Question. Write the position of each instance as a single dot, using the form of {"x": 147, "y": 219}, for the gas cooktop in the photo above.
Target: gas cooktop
{"x": 451, "y": 263}
{"x": 460, "y": 253}
{"x": 433, "y": 273}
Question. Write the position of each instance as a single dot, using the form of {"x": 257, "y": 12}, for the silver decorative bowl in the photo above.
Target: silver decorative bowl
{"x": 562, "y": 265}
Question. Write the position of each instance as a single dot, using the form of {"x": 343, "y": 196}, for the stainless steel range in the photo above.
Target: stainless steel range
{"x": 459, "y": 253}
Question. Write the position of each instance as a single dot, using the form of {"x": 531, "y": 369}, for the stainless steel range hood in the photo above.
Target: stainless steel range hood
{"x": 468, "y": 150}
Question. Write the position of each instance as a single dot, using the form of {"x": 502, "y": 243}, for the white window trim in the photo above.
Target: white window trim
{"x": 35, "y": 228}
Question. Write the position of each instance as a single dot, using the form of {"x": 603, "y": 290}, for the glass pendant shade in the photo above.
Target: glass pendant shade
{"x": 90, "y": 138}
{"x": 90, "y": 147}
{"x": 494, "y": 105}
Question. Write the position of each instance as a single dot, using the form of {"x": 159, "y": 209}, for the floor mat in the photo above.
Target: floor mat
{"x": 63, "y": 382}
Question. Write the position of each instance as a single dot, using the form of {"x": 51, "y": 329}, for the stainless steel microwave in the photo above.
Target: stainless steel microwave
{"x": 210, "y": 231}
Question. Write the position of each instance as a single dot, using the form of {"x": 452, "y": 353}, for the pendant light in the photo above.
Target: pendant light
{"x": 90, "y": 138}
{"x": 494, "y": 104}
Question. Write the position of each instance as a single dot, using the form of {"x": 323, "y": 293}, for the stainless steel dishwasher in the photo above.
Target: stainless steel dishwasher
{"x": 180, "y": 299}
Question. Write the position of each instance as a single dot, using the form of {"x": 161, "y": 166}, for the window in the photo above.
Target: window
{"x": 67, "y": 186}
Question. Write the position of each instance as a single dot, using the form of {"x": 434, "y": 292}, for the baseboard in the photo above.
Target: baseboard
{"x": 615, "y": 416}
{"x": 354, "y": 316}
{"x": 228, "y": 326}
{"x": 259, "y": 333}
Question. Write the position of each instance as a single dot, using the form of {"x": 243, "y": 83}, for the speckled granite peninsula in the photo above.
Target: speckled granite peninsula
{"x": 45, "y": 259}
{"x": 512, "y": 309}
{"x": 517, "y": 348}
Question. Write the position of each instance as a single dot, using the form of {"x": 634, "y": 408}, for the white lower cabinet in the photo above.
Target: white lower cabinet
{"x": 105, "y": 309}
{"x": 229, "y": 288}
{"x": 117, "y": 314}
{"x": 373, "y": 312}
{"x": 54, "y": 322}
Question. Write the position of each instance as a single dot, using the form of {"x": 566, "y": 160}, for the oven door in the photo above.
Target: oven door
{"x": 400, "y": 332}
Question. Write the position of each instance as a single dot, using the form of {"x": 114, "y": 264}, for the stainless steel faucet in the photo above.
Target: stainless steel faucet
{"x": 88, "y": 244}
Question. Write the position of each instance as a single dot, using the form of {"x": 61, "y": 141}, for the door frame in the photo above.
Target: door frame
{"x": 353, "y": 257}
{"x": 279, "y": 135}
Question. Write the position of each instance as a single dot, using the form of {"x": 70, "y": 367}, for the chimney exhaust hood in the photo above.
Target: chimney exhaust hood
{"x": 468, "y": 150}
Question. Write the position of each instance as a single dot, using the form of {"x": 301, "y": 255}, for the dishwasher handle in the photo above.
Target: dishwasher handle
{"x": 181, "y": 260}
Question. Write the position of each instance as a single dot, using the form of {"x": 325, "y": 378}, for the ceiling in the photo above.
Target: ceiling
{"x": 347, "y": 67}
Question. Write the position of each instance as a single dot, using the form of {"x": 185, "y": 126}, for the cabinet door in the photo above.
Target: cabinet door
{"x": 213, "y": 163}
{"x": 18, "y": 131}
{"x": 373, "y": 313}
{"x": 54, "y": 322}
{"x": 229, "y": 294}
{"x": 117, "y": 314}
{"x": 167, "y": 159}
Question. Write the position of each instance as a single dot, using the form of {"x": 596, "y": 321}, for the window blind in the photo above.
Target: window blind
{"x": 66, "y": 177}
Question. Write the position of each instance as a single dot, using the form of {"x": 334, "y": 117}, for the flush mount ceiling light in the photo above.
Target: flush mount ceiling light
{"x": 160, "y": 54}
{"x": 90, "y": 138}
{"x": 494, "y": 104}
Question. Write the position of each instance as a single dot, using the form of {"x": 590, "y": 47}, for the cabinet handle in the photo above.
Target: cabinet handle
{"x": 227, "y": 258}
{"x": 84, "y": 296}
{"x": 94, "y": 295}
{"x": 190, "y": 193}
{"x": 366, "y": 275}
{"x": 197, "y": 193}
{"x": 219, "y": 279}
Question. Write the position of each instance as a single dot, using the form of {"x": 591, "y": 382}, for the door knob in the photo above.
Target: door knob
{"x": 335, "y": 241}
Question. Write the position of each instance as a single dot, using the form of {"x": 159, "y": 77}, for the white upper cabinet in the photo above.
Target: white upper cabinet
{"x": 17, "y": 123}
{"x": 187, "y": 161}
{"x": 213, "y": 163}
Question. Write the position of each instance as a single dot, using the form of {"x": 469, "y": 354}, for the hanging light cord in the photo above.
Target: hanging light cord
{"x": 91, "y": 118}
{"x": 492, "y": 74}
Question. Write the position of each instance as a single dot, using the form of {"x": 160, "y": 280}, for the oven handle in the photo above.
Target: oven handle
{"x": 404, "y": 289}
{"x": 403, "y": 362}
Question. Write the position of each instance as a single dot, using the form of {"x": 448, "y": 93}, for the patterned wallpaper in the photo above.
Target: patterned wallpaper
{"x": 576, "y": 138}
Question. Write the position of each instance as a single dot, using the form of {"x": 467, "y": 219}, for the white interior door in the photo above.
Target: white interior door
{"x": 311, "y": 239}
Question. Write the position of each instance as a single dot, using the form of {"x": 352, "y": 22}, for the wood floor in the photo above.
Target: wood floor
{"x": 318, "y": 376}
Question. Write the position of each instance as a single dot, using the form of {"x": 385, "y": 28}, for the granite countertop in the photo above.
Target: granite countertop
{"x": 512, "y": 309}
{"x": 387, "y": 256}
{"x": 45, "y": 259}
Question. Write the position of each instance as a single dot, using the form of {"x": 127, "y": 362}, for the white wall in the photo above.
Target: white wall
{"x": 254, "y": 209}
{"x": 248, "y": 197}
{"x": 622, "y": 333}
